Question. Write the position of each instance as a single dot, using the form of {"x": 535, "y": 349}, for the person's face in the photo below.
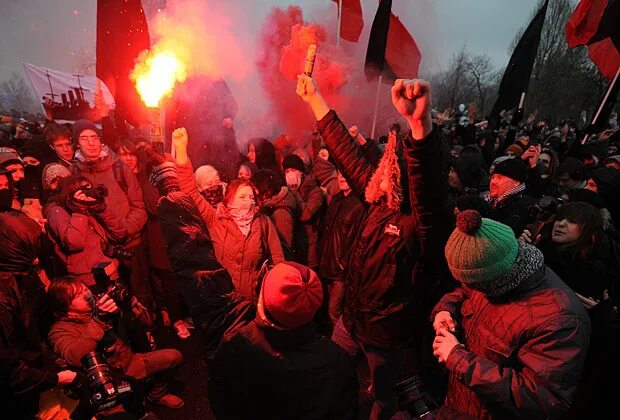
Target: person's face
{"x": 63, "y": 148}
{"x": 4, "y": 182}
{"x": 566, "y": 182}
{"x": 90, "y": 144}
{"x": 244, "y": 194}
{"x": 129, "y": 159}
{"x": 565, "y": 232}
{"x": 454, "y": 153}
{"x": 501, "y": 184}
{"x": 545, "y": 160}
{"x": 252, "y": 153}
{"x": 564, "y": 129}
{"x": 453, "y": 179}
{"x": 591, "y": 185}
{"x": 244, "y": 173}
{"x": 342, "y": 183}
{"x": 510, "y": 153}
{"x": 83, "y": 302}
{"x": 324, "y": 154}
{"x": 18, "y": 171}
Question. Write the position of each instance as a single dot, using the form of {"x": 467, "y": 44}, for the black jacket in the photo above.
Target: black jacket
{"x": 254, "y": 371}
{"x": 386, "y": 282}
{"x": 514, "y": 212}
{"x": 24, "y": 366}
{"x": 338, "y": 231}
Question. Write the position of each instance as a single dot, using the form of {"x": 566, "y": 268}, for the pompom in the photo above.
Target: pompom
{"x": 469, "y": 221}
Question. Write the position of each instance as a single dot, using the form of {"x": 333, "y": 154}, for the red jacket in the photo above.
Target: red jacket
{"x": 522, "y": 355}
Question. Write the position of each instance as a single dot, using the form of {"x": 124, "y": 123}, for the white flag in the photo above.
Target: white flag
{"x": 73, "y": 94}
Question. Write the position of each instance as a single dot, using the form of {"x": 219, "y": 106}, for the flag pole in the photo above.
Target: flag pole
{"x": 602, "y": 105}
{"x": 374, "y": 118}
{"x": 339, "y": 22}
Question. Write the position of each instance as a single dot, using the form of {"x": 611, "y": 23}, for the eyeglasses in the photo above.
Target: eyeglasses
{"x": 86, "y": 138}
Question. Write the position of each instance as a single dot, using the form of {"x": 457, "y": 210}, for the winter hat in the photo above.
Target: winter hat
{"x": 53, "y": 171}
{"x": 81, "y": 125}
{"x": 206, "y": 176}
{"x": 485, "y": 255}
{"x": 512, "y": 168}
{"x": 290, "y": 295}
{"x": 294, "y": 162}
{"x": 35, "y": 148}
{"x": 515, "y": 149}
{"x": 388, "y": 165}
{"x": 8, "y": 156}
{"x": 614, "y": 158}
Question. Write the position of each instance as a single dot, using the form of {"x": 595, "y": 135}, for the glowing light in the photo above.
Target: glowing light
{"x": 156, "y": 74}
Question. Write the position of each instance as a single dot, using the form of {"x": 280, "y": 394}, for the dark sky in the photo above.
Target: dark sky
{"x": 61, "y": 33}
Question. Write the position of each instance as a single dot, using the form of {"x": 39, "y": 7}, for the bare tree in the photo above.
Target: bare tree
{"x": 564, "y": 81}
{"x": 481, "y": 72}
{"x": 18, "y": 94}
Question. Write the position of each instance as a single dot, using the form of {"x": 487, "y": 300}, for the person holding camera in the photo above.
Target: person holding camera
{"x": 85, "y": 323}
{"x": 81, "y": 225}
{"x": 100, "y": 165}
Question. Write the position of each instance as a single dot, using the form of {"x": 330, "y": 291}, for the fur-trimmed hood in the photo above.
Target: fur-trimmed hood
{"x": 388, "y": 166}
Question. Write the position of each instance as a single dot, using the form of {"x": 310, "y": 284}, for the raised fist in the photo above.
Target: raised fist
{"x": 180, "y": 139}
{"x": 412, "y": 98}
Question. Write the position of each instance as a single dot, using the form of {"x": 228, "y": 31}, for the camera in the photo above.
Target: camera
{"x": 106, "y": 388}
{"x": 97, "y": 192}
{"x": 545, "y": 208}
{"x": 413, "y": 399}
{"x": 104, "y": 285}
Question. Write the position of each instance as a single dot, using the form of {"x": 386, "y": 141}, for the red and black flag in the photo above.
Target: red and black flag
{"x": 516, "y": 77}
{"x": 122, "y": 33}
{"x": 392, "y": 51}
{"x": 352, "y": 21}
{"x": 596, "y": 23}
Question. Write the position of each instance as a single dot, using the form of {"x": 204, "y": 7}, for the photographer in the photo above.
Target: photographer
{"x": 80, "y": 329}
{"x": 81, "y": 225}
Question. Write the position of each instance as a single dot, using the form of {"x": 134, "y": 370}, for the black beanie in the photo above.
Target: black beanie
{"x": 513, "y": 169}
{"x": 293, "y": 161}
{"x": 81, "y": 125}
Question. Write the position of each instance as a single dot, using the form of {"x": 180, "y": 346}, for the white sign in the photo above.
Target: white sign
{"x": 73, "y": 94}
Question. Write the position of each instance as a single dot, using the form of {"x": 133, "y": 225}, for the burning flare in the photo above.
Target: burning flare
{"x": 155, "y": 75}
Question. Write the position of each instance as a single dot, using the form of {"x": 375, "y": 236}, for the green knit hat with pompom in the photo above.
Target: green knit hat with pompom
{"x": 480, "y": 251}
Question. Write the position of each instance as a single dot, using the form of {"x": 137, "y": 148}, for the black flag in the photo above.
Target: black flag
{"x": 377, "y": 43}
{"x": 517, "y": 75}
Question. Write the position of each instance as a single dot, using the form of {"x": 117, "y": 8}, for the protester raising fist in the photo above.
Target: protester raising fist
{"x": 412, "y": 100}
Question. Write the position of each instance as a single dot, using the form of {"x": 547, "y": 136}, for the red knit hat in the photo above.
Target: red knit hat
{"x": 291, "y": 294}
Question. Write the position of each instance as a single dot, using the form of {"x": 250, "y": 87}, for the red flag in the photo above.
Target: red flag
{"x": 596, "y": 23}
{"x": 606, "y": 57}
{"x": 122, "y": 33}
{"x": 352, "y": 21}
{"x": 402, "y": 53}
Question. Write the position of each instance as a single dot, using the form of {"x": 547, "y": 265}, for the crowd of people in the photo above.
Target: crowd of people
{"x": 481, "y": 260}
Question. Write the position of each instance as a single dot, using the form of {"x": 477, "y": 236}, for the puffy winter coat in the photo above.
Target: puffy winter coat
{"x": 255, "y": 371}
{"x": 281, "y": 209}
{"x": 522, "y": 355}
{"x": 242, "y": 256}
{"x": 82, "y": 239}
{"x": 124, "y": 191}
{"x": 310, "y": 205}
{"x": 385, "y": 281}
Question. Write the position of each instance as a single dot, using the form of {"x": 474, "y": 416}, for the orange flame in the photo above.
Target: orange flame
{"x": 155, "y": 75}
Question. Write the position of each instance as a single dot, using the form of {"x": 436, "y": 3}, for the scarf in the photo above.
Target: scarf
{"x": 502, "y": 199}
{"x": 242, "y": 217}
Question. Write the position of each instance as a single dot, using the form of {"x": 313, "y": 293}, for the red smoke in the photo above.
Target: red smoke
{"x": 284, "y": 40}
